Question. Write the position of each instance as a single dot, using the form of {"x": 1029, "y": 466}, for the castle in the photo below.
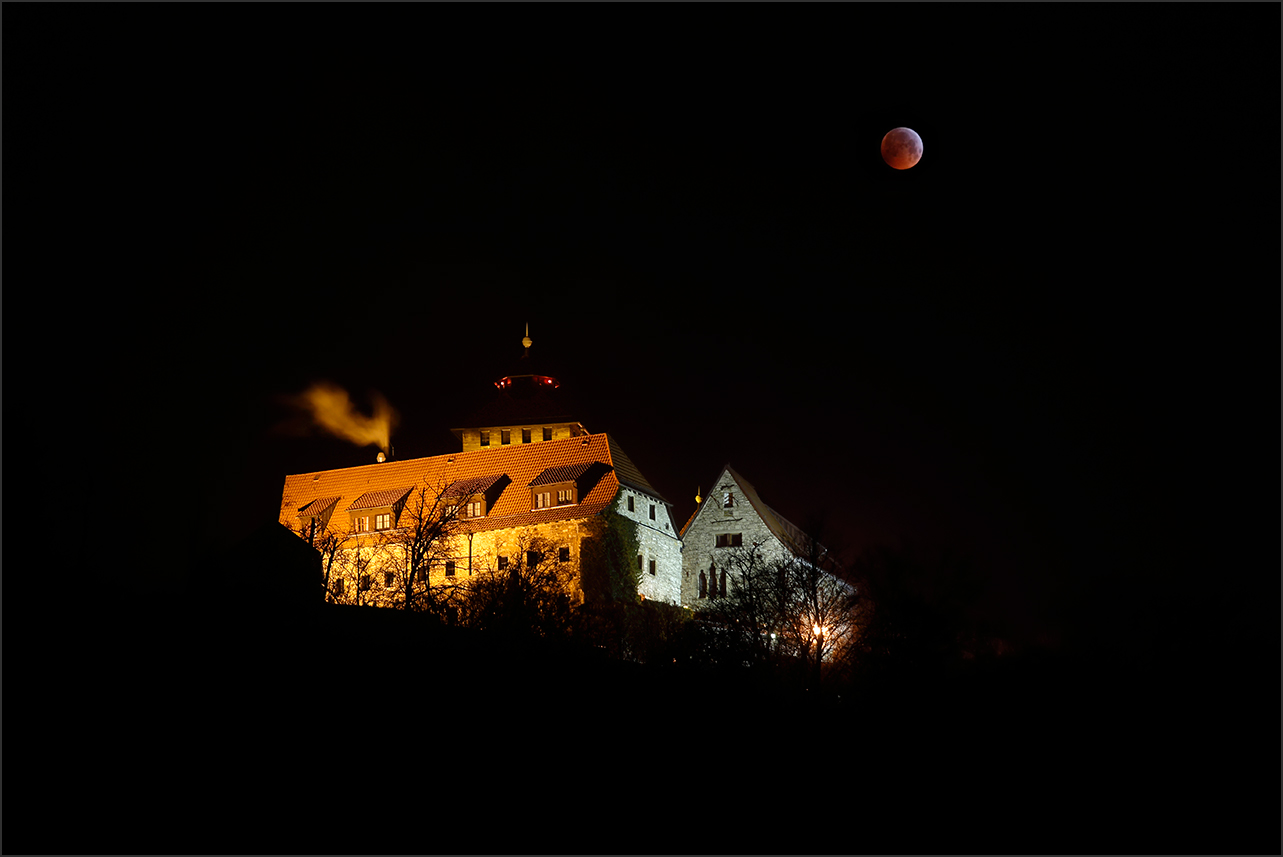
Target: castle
{"x": 530, "y": 484}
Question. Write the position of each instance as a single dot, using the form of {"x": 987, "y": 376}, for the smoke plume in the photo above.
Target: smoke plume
{"x": 331, "y": 409}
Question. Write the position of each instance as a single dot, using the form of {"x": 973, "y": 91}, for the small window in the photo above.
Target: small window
{"x": 505, "y": 437}
{"x": 630, "y": 504}
{"x": 563, "y": 554}
{"x": 423, "y": 572}
{"x": 639, "y": 562}
{"x": 730, "y": 540}
{"x": 532, "y": 558}
{"x": 543, "y": 500}
{"x": 727, "y": 500}
{"x": 547, "y": 433}
{"x": 703, "y": 585}
{"x": 449, "y": 568}
{"x": 336, "y": 586}
{"x": 361, "y": 524}
{"x": 389, "y": 579}
{"x": 564, "y": 497}
{"x": 474, "y": 509}
{"x": 652, "y": 511}
{"x": 525, "y": 435}
{"x": 652, "y": 566}
{"x": 485, "y": 438}
{"x": 382, "y": 522}
{"x": 365, "y": 582}
{"x": 503, "y": 563}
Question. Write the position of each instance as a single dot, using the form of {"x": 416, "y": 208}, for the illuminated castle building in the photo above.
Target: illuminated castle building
{"x": 731, "y": 516}
{"x": 529, "y": 479}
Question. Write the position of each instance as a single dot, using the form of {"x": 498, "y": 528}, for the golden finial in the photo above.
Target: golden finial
{"x": 697, "y": 501}
{"x": 526, "y": 341}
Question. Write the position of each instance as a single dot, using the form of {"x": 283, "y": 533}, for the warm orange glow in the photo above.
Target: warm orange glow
{"x": 331, "y": 409}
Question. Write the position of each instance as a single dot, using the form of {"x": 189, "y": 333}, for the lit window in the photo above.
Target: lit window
{"x": 652, "y": 511}
{"x": 563, "y": 554}
{"x": 547, "y": 433}
{"x": 543, "y": 500}
{"x": 505, "y": 437}
{"x": 474, "y": 509}
{"x": 525, "y": 435}
{"x": 449, "y": 568}
{"x": 485, "y": 438}
{"x": 382, "y": 522}
{"x": 630, "y": 504}
{"x": 565, "y": 496}
{"x": 652, "y": 566}
{"x": 361, "y": 523}
{"x": 727, "y": 500}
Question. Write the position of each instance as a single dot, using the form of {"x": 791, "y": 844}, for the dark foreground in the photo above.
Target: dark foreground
{"x": 363, "y": 732}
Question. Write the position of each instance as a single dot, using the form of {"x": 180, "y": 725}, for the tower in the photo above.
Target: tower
{"x": 528, "y": 409}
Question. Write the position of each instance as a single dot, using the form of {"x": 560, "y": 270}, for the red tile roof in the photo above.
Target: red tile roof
{"x": 521, "y": 463}
{"x": 564, "y": 473}
{"x": 317, "y": 507}
{"x": 379, "y": 499}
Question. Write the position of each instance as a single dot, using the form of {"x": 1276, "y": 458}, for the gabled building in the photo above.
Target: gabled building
{"x": 731, "y": 515}
{"x": 526, "y": 471}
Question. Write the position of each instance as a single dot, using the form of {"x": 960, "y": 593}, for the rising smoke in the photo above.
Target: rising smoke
{"x": 331, "y": 409}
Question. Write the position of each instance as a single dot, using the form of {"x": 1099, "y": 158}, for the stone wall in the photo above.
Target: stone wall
{"x": 699, "y": 542}
{"x": 658, "y": 541}
{"x": 471, "y": 437}
{"x": 377, "y": 555}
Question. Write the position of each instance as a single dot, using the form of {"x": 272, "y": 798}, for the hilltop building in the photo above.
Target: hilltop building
{"x": 731, "y": 516}
{"x": 527, "y": 472}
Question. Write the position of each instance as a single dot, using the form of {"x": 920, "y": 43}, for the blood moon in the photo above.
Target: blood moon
{"x": 901, "y": 148}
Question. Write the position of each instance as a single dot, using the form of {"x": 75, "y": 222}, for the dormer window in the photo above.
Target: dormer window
{"x": 383, "y": 522}
{"x": 476, "y": 509}
{"x": 361, "y": 524}
{"x": 542, "y": 499}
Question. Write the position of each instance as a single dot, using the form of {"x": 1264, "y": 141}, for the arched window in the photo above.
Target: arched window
{"x": 703, "y": 586}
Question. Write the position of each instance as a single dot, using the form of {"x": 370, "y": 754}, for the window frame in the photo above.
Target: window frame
{"x": 652, "y": 567}
{"x": 525, "y": 435}
{"x": 652, "y": 511}
{"x": 547, "y": 433}
{"x": 505, "y": 437}
{"x": 485, "y": 438}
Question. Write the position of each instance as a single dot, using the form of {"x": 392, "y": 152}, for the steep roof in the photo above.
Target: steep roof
{"x": 788, "y": 533}
{"x": 522, "y": 464}
{"x": 629, "y": 474}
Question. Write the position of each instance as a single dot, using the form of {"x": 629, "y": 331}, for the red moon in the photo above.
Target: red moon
{"x": 902, "y": 148}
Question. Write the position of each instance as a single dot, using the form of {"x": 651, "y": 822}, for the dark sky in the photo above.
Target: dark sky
{"x": 1035, "y": 348}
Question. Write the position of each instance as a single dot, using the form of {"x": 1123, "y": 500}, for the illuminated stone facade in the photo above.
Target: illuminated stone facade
{"x": 731, "y": 515}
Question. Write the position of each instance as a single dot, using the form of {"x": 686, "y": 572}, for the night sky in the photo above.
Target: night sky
{"x": 1050, "y": 346}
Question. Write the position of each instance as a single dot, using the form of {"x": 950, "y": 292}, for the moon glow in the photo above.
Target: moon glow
{"x": 901, "y": 148}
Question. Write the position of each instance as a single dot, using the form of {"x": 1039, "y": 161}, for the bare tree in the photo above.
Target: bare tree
{"x": 430, "y": 522}
{"x": 533, "y": 593}
{"x": 794, "y": 605}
